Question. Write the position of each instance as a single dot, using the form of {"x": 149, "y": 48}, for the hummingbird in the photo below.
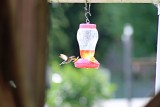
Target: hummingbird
{"x": 67, "y": 59}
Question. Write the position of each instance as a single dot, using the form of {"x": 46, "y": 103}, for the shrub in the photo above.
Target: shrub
{"x": 72, "y": 87}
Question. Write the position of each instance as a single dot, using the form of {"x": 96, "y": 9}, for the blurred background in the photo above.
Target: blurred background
{"x": 127, "y": 67}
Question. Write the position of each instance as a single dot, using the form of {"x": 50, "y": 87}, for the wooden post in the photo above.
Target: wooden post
{"x": 23, "y": 42}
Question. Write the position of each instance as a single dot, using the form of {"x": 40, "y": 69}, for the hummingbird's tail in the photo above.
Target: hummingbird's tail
{"x": 62, "y": 63}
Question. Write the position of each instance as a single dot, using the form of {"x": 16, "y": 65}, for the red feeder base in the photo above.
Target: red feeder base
{"x": 85, "y": 63}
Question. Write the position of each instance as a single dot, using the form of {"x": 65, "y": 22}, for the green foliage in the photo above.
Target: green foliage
{"x": 110, "y": 20}
{"x": 64, "y": 23}
{"x": 62, "y": 33}
{"x": 79, "y": 87}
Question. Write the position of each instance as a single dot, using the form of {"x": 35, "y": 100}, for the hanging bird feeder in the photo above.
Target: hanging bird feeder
{"x": 87, "y": 37}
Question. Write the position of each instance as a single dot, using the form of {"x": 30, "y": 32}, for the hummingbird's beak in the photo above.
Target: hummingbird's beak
{"x": 76, "y": 59}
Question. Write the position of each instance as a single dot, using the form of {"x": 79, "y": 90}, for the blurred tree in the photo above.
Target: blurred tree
{"x": 58, "y": 40}
{"x": 64, "y": 23}
{"x": 72, "y": 87}
{"x": 110, "y": 20}
{"x": 143, "y": 17}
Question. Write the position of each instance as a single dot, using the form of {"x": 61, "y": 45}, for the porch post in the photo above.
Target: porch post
{"x": 157, "y": 82}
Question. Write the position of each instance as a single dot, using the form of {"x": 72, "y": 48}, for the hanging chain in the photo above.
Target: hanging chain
{"x": 87, "y": 11}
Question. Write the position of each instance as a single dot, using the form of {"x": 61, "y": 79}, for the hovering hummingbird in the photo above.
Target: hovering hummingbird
{"x": 67, "y": 59}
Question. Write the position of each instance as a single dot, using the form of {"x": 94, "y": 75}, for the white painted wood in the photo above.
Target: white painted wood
{"x": 157, "y": 86}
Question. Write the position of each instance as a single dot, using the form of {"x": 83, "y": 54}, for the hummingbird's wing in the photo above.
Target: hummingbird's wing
{"x": 64, "y": 57}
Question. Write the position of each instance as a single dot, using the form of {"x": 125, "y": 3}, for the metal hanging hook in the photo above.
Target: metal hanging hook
{"x": 87, "y": 11}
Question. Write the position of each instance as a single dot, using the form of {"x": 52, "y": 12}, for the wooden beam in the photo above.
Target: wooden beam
{"x": 102, "y": 1}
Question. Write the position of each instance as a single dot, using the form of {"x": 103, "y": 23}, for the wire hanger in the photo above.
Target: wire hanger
{"x": 87, "y": 11}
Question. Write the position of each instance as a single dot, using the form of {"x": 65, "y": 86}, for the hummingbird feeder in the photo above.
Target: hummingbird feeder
{"x": 87, "y": 37}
